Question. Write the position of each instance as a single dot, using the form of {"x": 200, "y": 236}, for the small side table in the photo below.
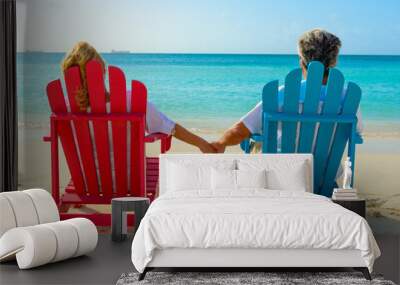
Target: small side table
{"x": 357, "y": 206}
{"x": 119, "y": 208}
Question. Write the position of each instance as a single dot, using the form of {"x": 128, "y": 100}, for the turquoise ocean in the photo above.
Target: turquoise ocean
{"x": 211, "y": 91}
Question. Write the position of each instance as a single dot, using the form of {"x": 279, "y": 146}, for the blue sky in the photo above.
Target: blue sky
{"x": 206, "y": 26}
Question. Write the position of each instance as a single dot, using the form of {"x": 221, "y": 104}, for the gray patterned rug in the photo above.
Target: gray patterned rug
{"x": 243, "y": 278}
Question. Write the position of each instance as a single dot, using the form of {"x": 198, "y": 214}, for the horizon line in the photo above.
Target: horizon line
{"x": 202, "y": 53}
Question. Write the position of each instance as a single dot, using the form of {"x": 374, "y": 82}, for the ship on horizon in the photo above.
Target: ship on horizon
{"x": 120, "y": 51}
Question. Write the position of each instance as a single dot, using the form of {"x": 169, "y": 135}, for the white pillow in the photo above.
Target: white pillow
{"x": 223, "y": 179}
{"x": 227, "y": 179}
{"x": 251, "y": 178}
{"x": 186, "y": 175}
{"x": 289, "y": 173}
{"x": 183, "y": 177}
{"x": 295, "y": 178}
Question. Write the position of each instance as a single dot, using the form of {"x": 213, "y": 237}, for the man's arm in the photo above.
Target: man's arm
{"x": 233, "y": 136}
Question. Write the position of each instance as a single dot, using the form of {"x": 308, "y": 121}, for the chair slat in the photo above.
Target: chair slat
{"x": 73, "y": 84}
{"x": 315, "y": 73}
{"x": 334, "y": 91}
{"x": 97, "y": 96}
{"x": 119, "y": 129}
{"x": 291, "y": 105}
{"x": 270, "y": 105}
{"x": 57, "y": 105}
{"x": 138, "y": 101}
{"x": 342, "y": 134}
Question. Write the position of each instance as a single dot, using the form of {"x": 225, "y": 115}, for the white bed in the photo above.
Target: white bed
{"x": 198, "y": 222}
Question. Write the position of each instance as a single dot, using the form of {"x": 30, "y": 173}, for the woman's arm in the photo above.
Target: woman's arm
{"x": 233, "y": 136}
{"x": 188, "y": 137}
{"x": 158, "y": 122}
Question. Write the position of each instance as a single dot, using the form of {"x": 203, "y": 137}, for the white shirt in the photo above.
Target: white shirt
{"x": 253, "y": 119}
{"x": 156, "y": 121}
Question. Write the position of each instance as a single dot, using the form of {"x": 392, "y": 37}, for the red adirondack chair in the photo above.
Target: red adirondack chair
{"x": 89, "y": 156}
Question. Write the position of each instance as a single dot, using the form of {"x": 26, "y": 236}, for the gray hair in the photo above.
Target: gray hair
{"x": 319, "y": 45}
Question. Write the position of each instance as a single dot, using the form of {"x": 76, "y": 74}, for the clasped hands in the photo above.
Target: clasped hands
{"x": 233, "y": 136}
{"x": 213, "y": 147}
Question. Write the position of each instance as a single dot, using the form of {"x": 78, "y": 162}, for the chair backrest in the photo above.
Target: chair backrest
{"x": 324, "y": 133}
{"x": 84, "y": 135}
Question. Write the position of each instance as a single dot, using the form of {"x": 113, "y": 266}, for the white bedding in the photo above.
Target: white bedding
{"x": 251, "y": 218}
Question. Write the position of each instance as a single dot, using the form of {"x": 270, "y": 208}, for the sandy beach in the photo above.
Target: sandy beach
{"x": 376, "y": 177}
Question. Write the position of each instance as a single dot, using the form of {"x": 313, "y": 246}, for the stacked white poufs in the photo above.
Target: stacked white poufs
{"x": 31, "y": 230}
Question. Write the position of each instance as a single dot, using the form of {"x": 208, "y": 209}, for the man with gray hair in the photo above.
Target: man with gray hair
{"x": 314, "y": 45}
{"x": 318, "y": 45}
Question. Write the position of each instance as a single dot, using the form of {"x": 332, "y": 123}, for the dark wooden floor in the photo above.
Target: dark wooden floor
{"x": 110, "y": 260}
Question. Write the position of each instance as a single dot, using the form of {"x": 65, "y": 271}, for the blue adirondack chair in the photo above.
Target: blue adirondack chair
{"x": 337, "y": 122}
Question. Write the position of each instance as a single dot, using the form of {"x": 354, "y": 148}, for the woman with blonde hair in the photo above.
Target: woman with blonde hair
{"x": 156, "y": 121}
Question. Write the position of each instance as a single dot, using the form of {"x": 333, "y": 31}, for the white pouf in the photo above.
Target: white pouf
{"x": 41, "y": 244}
{"x": 31, "y": 232}
{"x": 87, "y": 233}
{"x": 22, "y": 207}
{"x": 45, "y": 206}
{"x": 7, "y": 218}
{"x": 67, "y": 237}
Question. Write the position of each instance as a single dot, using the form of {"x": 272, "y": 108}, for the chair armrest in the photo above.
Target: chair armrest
{"x": 358, "y": 139}
{"x": 155, "y": 137}
{"x": 245, "y": 145}
{"x": 165, "y": 140}
{"x": 47, "y": 138}
{"x": 257, "y": 137}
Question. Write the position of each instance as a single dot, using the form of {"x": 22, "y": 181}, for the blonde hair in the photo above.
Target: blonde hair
{"x": 319, "y": 45}
{"x": 80, "y": 54}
